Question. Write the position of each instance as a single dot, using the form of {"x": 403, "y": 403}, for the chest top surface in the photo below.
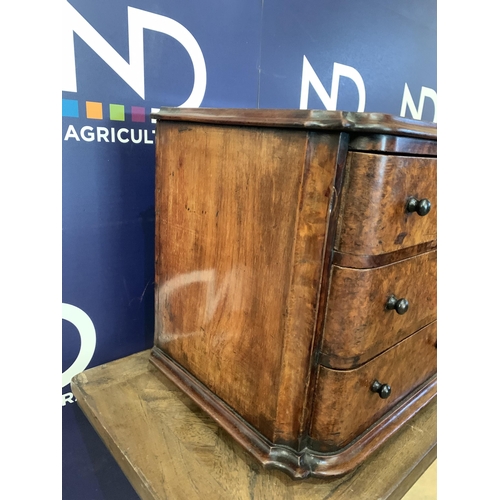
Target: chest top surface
{"x": 356, "y": 122}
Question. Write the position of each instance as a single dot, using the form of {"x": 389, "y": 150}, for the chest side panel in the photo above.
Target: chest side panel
{"x": 239, "y": 235}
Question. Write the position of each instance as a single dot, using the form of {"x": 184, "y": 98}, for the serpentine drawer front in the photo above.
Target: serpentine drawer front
{"x": 295, "y": 277}
{"x": 347, "y": 402}
{"x": 360, "y": 321}
{"x": 389, "y": 203}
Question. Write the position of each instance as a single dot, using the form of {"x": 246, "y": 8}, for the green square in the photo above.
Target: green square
{"x": 117, "y": 112}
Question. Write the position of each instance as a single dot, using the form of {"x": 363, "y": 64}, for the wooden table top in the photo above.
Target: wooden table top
{"x": 169, "y": 449}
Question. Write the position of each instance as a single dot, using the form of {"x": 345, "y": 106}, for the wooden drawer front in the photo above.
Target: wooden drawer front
{"x": 345, "y": 405}
{"x": 374, "y": 219}
{"x": 358, "y": 324}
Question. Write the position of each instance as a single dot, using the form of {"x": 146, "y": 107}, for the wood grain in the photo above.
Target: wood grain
{"x": 169, "y": 448}
{"x": 358, "y": 325}
{"x": 276, "y": 250}
{"x": 242, "y": 216}
{"x": 384, "y": 259}
{"x": 345, "y": 406}
{"x": 346, "y": 121}
{"x": 393, "y": 144}
{"x": 306, "y": 461}
{"x": 324, "y": 152}
{"x": 331, "y": 229}
{"x": 373, "y": 219}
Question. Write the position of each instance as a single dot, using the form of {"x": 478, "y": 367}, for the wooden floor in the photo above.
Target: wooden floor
{"x": 426, "y": 487}
{"x": 169, "y": 449}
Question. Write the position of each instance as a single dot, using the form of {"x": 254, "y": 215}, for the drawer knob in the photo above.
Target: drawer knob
{"x": 383, "y": 390}
{"x": 422, "y": 207}
{"x": 399, "y": 305}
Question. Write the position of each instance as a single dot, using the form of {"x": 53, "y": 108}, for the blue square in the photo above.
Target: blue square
{"x": 70, "y": 108}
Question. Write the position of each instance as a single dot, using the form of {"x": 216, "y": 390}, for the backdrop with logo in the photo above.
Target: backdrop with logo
{"x": 124, "y": 58}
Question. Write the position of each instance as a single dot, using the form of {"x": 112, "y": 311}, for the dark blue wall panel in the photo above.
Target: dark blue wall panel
{"x": 389, "y": 43}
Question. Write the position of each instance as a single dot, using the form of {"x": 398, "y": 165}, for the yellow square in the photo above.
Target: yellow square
{"x": 94, "y": 110}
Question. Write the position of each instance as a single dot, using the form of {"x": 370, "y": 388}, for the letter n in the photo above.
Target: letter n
{"x": 309, "y": 77}
{"x": 409, "y": 103}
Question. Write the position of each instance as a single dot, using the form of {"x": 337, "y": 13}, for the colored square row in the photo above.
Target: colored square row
{"x": 94, "y": 111}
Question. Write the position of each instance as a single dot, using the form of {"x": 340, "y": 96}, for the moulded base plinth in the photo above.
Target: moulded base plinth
{"x": 306, "y": 462}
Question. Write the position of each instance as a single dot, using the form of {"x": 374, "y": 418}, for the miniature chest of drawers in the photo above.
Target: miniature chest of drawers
{"x": 296, "y": 277}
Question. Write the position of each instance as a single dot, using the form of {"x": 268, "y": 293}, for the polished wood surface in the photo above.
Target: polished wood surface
{"x": 345, "y": 405}
{"x": 306, "y": 461}
{"x": 170, "y": 449}
{"x": 373, "y": 217}
{"x": 324, "y": 153}
{"x": 240, "y": 242}
{"x": 345, "y": 121}
{"x": 384, "y": 259}
{"x": 393, "y": 144}
{"x": 280, "y": 236}
{"x": 358, "y": 325}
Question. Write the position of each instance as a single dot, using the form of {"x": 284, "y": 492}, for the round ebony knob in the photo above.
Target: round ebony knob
{"x": 422, "y": 207}
{"x": 399, "y": 305}
{"x": 383, "y": 390}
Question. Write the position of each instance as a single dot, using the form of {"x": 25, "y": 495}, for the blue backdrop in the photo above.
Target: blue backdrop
{"x": 124, "y": 58}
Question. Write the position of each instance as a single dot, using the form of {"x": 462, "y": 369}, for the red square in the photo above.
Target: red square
{"x": 138, "y": 114}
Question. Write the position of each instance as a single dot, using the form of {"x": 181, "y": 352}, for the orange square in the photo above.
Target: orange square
{"x": 94, "y": 110}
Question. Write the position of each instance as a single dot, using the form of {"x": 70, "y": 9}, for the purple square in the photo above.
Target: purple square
{"x": 138, "y": 114}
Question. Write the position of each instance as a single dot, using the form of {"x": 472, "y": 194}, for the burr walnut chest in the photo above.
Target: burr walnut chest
{"x": 296, "y": 277}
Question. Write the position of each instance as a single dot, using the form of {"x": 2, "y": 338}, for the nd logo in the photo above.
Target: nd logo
{"x": 131, "y": 72}
{"x": 86, "y": 330}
